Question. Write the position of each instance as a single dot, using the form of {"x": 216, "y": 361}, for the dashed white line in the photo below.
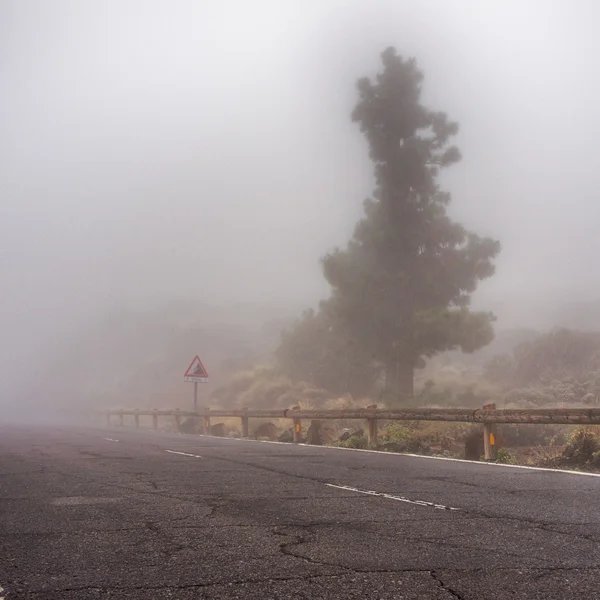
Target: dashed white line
{"x": 108, "y": 440}
{"x": 392, "y": 497}
{"x": 182, "y": 454}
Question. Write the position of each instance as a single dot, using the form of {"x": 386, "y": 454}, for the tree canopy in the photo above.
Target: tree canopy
{"x": 318, "y": 349}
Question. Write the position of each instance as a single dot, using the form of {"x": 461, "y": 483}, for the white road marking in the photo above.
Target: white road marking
{"x": 183, "y": 453}
{"x": 1, "y": 593}
{"x": 457, "y": 460}
{"x": 400, "y": 454}
{"x": 392, "y": 497}
{"x": 108, "y": 440}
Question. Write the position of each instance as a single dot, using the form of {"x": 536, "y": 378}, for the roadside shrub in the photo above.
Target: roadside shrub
{"x": 404, "y": 438}
{"x": 505, "y": 457}
{"x": 425, "y": 437}
{"x": 546, "y": 456}
{"x": 515, "y": 436}
{"x": 397, "y": 437}
{"x": 583, "y": 447}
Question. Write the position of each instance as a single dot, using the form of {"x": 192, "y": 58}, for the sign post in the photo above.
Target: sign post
{"x": 196, "y": 373}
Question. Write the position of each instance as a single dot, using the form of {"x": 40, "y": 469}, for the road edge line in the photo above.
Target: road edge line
{"x": 421, "y": 456}
{"x": 458, "y": 460}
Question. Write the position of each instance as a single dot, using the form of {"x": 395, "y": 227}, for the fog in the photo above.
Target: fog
{"x": 153, "y": 152}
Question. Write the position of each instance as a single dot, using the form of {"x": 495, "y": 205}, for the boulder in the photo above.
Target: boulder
{"x": 218, "y": 429}
{"x": 287, "y": 436}
{"x": 267, "y": 431}
{"x": 190, "y": 425}
{"x": 355, "y": 436}
{"x": 474, "y": 444}
{"x": 425, "y": 448}
{"x": 319, "y": 434}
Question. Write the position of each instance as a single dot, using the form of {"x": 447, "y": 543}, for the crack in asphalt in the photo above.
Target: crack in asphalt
{"x": 172, "y": 546}
{"x": 533, "y": 524}
{"x": 432, "y": 573}
{"x": 446, "y": 587}
{"x": 298, "y": 540}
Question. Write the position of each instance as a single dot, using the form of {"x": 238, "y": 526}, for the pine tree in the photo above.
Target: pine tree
{"x": 401, "y": 289}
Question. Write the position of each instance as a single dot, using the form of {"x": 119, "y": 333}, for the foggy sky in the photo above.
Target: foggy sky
{"x": 156, "y": 150}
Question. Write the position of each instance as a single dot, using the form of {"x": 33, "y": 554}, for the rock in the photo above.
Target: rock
{"x": 313, "y": 435}
{"x": 287, "y": 436}
{"x": 190, "y": 425}
{"x": 318, "y": 434}
{"x": 218, "y": 429}
{"x": 474, "y": 444}
{"x": 345, "y": 436}
{"x": 424, "y": 448}
{"x": 393, "y": 447}
{"x": 358, "y": 433}
{"x": 267, "y": 431}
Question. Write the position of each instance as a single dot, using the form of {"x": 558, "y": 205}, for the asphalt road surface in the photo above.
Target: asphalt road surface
{"x": 90, "y": 513}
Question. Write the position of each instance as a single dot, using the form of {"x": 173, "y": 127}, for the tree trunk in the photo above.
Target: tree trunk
{"x": 399, "y": 386}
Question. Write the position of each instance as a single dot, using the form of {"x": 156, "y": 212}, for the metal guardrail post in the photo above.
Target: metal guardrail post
{"x": 207, "y": 423}
{"x": 489, "y": 436}
{"x": 372, "y": 432}
{"x": 177, "y": 419}
{"x": 245, "y": 426}
{"x": 121, "y": 419}
{"x": 136, "y": 416}
{"x": 108, "y": 418}
{"x": 155, "y": 420}
{"x": 372, "y": 428}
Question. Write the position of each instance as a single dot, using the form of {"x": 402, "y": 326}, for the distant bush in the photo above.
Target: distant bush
{"x": 557, "y": 354}
{"x": 455, "y": 392}
{"x": 267, "y": 387}
{"x": 500, "y": 369}
{"x": 556, "y": 391}
{"x": 229, "y": 394}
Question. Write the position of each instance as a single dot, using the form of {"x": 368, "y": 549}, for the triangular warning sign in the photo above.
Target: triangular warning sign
{"x": 196, "y": 371}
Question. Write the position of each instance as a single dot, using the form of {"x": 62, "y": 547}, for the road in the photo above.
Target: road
{"x": 91, "y": 513}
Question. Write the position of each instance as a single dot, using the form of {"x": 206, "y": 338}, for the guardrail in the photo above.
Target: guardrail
{"x": 487, "y": 415}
